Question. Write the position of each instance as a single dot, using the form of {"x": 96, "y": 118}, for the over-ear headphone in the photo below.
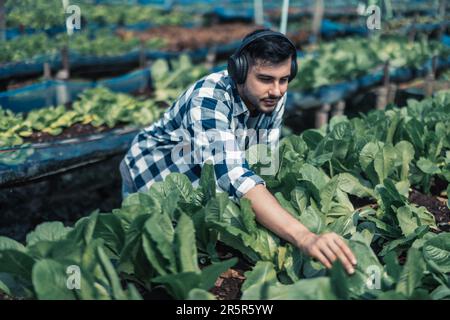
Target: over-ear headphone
{"x": 238, "y": 64}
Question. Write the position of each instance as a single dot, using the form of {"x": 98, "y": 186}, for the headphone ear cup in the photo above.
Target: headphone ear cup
{"x": 242, "y": 68}
{"x": 240, "y": 63}
{"x": 294, "y": 69}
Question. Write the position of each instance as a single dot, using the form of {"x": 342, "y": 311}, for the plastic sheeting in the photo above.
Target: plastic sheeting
{"x": 19, "y": 165}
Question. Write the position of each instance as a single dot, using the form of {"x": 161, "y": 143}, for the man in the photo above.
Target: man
{"x": 206, "y": 123}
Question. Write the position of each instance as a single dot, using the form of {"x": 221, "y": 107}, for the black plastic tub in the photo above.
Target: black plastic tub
{"x": 60, "y": 181}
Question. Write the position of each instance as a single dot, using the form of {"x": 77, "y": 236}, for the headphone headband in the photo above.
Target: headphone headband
{"x": 263, "y": 33}
{"x": 238, "y": 64}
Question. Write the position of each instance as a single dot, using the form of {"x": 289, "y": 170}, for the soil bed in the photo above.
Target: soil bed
{"x": 76, "y": 130}
{"x": 438, "y": 208}
{"x": 179, "y": 38}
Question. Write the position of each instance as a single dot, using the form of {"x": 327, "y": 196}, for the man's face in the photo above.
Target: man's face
{"x": 265, "y": 85}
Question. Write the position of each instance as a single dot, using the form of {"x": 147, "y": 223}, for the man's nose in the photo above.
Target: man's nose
{"x": 275, "y": 89}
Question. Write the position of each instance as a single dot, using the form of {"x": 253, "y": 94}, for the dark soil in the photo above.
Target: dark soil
{"x": 5, "y": 297}
{"x": 437, "y": 207}
{"x": 228, "y": 285}
{"x": 180, "y": 38}
{"x": 439, "y": 186}
{"x": 76, "y": 130}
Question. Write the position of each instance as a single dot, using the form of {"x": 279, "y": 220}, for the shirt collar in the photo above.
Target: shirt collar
{"x": 239, "y": 106}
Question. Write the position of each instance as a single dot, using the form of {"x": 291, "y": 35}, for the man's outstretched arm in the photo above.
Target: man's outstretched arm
{"x": 326, "y": 247}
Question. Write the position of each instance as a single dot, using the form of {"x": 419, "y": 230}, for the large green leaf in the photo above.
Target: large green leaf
{"x": 208, "y": 182}
{"x": 185, "y": 245}
{"x": 299, "y": 199}
{"x": 248, "y": 216}
{"x": 343, "y": 226}
{"x": 47, "y": 231}
{"x": 427, "y": 166}
{"x": 405, "y": 151}
{"x": 436, "y": 252}
{"x": 262, "y": 273}
{"x": 200, "y": 294}
{"x": 352, "y": 185}
{"x": 367, "y": 157}
{"x": 50, "y": 281}
{"x": 327, "y": 193}
{"x": 314, "y": 175}
{"x": 407, "y": 221}
{"x": 144, "y": 201}
{"x": 7, "y": 243}
{"x": 412, "y": 273}
{"x": 384, "y": 162}
{"x": 159, "y": 229}
{"x": 368, "y": 154}
{"x": 179, "y": 285}
{"x": 313, "y": 219}
{"x": 110, "y": 229}
{"x": 286, "y": 204}
{"x": 110, "y": 273}
{"x": 307, "y": 289}
{"x": 367, "y": 269}
{"x": 339, "y": 281}
{"x": 181, "y": 183}
{"x": 16, "y": 263}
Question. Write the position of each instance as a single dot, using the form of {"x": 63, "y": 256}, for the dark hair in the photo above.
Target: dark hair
{"x": 273, "y": 49}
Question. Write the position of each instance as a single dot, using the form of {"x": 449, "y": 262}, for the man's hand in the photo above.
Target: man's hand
{"x": 327, "y": 248}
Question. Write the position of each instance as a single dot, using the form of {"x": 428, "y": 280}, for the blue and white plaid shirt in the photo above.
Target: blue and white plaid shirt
{"x": 209, "y": 121}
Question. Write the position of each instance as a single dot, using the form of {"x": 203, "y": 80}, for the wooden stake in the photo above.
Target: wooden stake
{"x": 47, "y": 77}
{"x": 383, "y": 92}
{"x": 338, "y": 108}
{"x": 322, "y": 115}
{"x": 430, "y": 78}
{"x": 211, "y": 57}
{"x": 62, "y": 93}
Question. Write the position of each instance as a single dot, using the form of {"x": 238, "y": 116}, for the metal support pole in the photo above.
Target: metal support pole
{"x": 284, "y": 16}
{"x": 317, "y": 19}
{"x": 259, "y": 12}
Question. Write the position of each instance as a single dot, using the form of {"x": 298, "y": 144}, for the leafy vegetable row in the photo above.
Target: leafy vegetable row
{"x": 50, "y": 13}
{"x": 97, "y": 107}
{"x": 101, "y": 106}
{"x": 103, "y": 43}
{"x": 349, "y": 58}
